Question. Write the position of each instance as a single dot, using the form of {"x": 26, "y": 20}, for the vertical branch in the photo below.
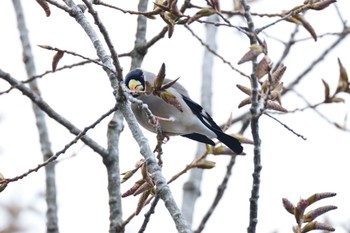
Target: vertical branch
{"x": 115, "y": 126}
{"x": 163, "y": 189}
{"x": 140, "y": 50}
{"x": 51, "y": 213}
{"x": 111, "y": 161}
{"x": 123, "y": 105}
{"x": 192, "y": 186}
{"x": 256, "y": 111}
{"x": 137, "y": 56}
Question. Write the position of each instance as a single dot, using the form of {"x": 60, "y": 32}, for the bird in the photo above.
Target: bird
{"x": 188, "y": 119}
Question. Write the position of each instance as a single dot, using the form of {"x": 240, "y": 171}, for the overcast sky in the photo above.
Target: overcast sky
{"x": 292, "y": 167}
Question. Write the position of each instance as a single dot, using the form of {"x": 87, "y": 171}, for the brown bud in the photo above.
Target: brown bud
{"x": 263, "y": 67}
{"x": 275, "y": 106}
{"x": 278, "y": 73}
{"x": 245, "y": 102}
{"x": 244, "y": 89}
{"x": 142, "y": 201}
{"x": 132, "y": 190}
{"x": 45, "y": 6}
{"x": 299, "y": 210}
{"x": 254, "y": 51}
{"x": 316, "y": 226}
{"x": 142, "y": 188}
{"x": 320, "y": 5}
{"x": 127, "y": 175}
{"x": 288, "y": 205}
{"x": 319, "y": 196}
{"x": 311, "y": 215}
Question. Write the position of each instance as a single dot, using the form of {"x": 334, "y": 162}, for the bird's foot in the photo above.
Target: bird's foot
{"x": 161, "y": 139}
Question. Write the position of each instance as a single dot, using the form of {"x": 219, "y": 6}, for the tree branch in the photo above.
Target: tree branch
{"x": 51, "y": 212}
{"x": 193, "y": 186}
{"x": 163, "y": 189}
{"x": 256, "y": 111}
{"x": 140, "y": 38}
{"x": 35, "y": 98}
{"x": 221, "y": 190}
{"x": 111, "y": 162}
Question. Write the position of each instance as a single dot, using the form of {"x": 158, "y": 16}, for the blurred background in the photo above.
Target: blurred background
{"x": 292, "y": 167}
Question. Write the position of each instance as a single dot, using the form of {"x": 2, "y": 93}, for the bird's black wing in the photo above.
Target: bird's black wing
{"x": 199, "y": 138}
{"x": 203, "y": 116}
{"x": 206, "y": 119}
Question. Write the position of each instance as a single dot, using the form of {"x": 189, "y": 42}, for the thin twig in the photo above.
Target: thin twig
{"x": 314, "y": 108}
{"x": 62, "y": 151}
{"x": 215, "y": 53}
{"x": 51, "y": 112}
{"x": 188, "y": 167}
{"x": 128, "y": 220}
{"x": 287, "y": 47}
{"x": 48, "y": 47}
{"x": 149, "y": 214}
{"x": 285, "y": 126}
{"x": 107, "y": 39}
{"x": 320, "y": 58}
{"x": 144, "y": 13}
{"x": 220, "y": 192}
{"x": 34, "y": 77}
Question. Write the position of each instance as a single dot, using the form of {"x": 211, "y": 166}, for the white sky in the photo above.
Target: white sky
{"x": 292, "y": 168}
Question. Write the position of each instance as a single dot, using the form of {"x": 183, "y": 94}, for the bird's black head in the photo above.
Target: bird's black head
{"x": 135, "y": 80}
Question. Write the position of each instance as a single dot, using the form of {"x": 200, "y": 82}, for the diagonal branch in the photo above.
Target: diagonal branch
{"x": 35, "y": 98}
{"x": 215, "y": 53}
{"x": 320, "y": 58}
{"x": 163, "y": 189}
{"x": 221, "y": 190}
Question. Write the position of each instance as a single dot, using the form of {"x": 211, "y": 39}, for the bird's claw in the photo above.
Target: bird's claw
{"x": 154, "y": 125}
{"x": 161, "y": 139}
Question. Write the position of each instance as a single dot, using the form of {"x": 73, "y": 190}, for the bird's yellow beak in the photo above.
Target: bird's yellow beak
{"x": 135, "y": 85}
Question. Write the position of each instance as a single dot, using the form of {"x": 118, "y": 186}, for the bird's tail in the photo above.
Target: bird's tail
{"x": 230, "y": 142}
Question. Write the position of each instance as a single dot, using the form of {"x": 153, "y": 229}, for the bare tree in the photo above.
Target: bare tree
{"x": 261, "y": 86}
